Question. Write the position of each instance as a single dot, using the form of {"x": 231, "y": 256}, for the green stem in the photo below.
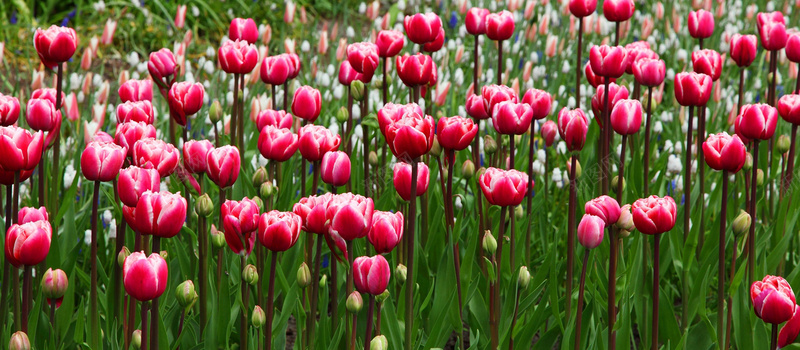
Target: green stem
{"x": 94, "y": 337}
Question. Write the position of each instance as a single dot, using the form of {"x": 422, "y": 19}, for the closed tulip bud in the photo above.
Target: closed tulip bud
{"x": 342, "y": 115}
{"x": 123, "y": 254}
{"x": 357, "y": 90}
{"x": 743, "y": 49}
{"x": 204, "y": 206}
{"x": 782, "y": 146}
{"x": 771, "y": 30}
{"x": 354, "y": 302}
{"x": 741, "y": 224}
{"x": 54, "y": 284}
{"x": 323, "y": 282}
{"x": 303, "y": 275}
{"x": 186, "y": 294}
{"x": 625, "y": 221}
{"x": 503, "y": 187}
{"x": 145, "y": 277}
{"x": 373, "y": 158}
{"x": 468, "y": 169}
{"x": 500, "y": 26}
{"x": 217, "y": 238}
{"x": 259, "y": 177}
{"x": 748, "y": 161}
{"x": 701, "y": 24}
{"x": 266, "y": 189}
{"x": 258, "y": 319}
{"x": 401, "y": 273}
{"x": 615, "y": 183}
{"x": 489, "y": 144}
{"x": 489, "y": 243}
{"x": 523, "y": 278}
{"x": 380, "y": 298}
{"x": 618, "y": 10}
{"x": 760, "y": 177}
{"x": 590, "y": 231}
{"x": 379, "y": 343}
{"x": 136, "y": 339}
{"x": 250, "y": 274}
{"x": 436, "y": 148}
{"x": 519, "y": 213}
{"x": 215, "y": 111}
{"x": 19, "y": 341}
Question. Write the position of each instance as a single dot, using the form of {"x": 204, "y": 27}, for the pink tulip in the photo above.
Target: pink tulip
{"x": 790, "y": 330}
{"x": 494, "y": 94}
{"x": 134, "y": 181}
{"x": 422, "y": 28}
{"x": 509, "y": 118}
{"x": 145, "y": 278}
{"x": 476, "y": 20}
{"x": 185, "y": 99}
{"x": 654, "y": 215}
{"x": 335, "y": 168}
{"x": 389, "y": 42}
{"x": 605, "y": 208}
{"x": 42, "y": 115}
{"x": 692, "y": 89}
{"x": 86, "y": 59}
{"x": 707, "y": 62}
{"x": 244, "y": 30}
{"x": 180, "y": 16}
{"x": 278, "y": 144}
{"x": 371, "y": 274}
{"x": 455, "y": 133}
{"x": 572, "y": 127}
{"x": 618, "y": 10}
{"x": 349, "y": 215}
{"x": 608, "y": 61}
{"x": 27, "y": 244}
{"x": 316, "y": 140}
{"x": 757, "y": 121}
{"x": 590, "y": 231}
{"x": 276, "y": 70}
{"x": 108, "y": 32}
{"x": 415, "y": 70}
{"x": 195, "y": 155}
{"x": 54, "y": 285}
{"x": 7, "y": 177}
{"x": 55, "y": 44}
{"x": 136, "y": 90}
{"x": 401, "y": 179}
{"x": 306, "y": 103}
{"x": 637, "y": 51}
{"x": 435, "y": 45}
{"x": 391, "y": 113}
{"x": 500, "y": 26}
{"x": 240, "y": 222}
{"x": 162, "y": 65}
{"x": 582, "y": 8}
{"x": 594, "y": 79}
{"x": 363, "y": 57}
{"x": 477, "y": 107}
{"x": 504, "y": 187}
{"x": 29, "y": 214}
{"x": 128, "y": 133}
{"x": 793, "y": 47}
{"x": 223, "y": 165}
{"x": 649, "y": 72}
{"x": 160, "y": 214}
{"x": 140, "y": 111}
{"x": 701, "y": 24}
{"x": 347, "y": 74}
{"x": 9, "y": 110}
{"x": 616, "y": 93}
{"x": 101, "y": 161}
{"x": 278, "y": 231}
{"x": 540, "y": 102}
{"x": 773, "y": 299}
{"x": 626, "y": 117}
{"x": 312, "y": 213}
{"x": 160, "y": 155}
{"x": 771, "y": 30}
{"x": 411, "y": 136}
{"x": 724, "y": 152}
{"x": 743, "y": 49}
{"x": 549, "y": 130}
{"x": 21, "y": 150}
{"x": 789, "y": 108}
{"x": 238, "y": 57}
{"x": 278, "y": 119}
{"x": 386, "y": 231}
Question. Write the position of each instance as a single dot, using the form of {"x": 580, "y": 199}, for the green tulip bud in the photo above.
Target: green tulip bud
{"x": 783, "y": 144}
{"x": 436, "y": 148}
{"x": 164, "y": 254}
{"x": 741, "y": 224}
{"x": 186, "y": 294}
{"x": 519, "y": 213}
{"x": 379, "y": 343}
{"x": 215, "y": 111}
{"x": 259, "y": 177}
{"x": 303, "y": 275}
{"x": 445, "y": 172}
{"x": 578, "y": 169}
{"x": 748, "y": 161}
{"x": 625, "y": 221}
{"x": 468, "y": 169}
{"x": 258, "y": 319}
{"x": 259, "y": 203}
{"x": 354, "y": 302}
{"x": 623, "y": 233}
{"x": 217, "y": 238}
{"x": 250, "y": 274}
{"x": 342, "y": 115}
{"x": 19, "y": 341}
{"x": 401, "y": 273}
{"x": 266, "y": 190}
{"x": 615, "y": 182}
{"x": 204, "y": 206}
{"x": 373, "y": 158}
{"x": 54, "y": 283}
{"x": 123, "y": 254}
{"x": 380, "y": 298}
{"x": 357, "y": 90}
{"x": 136, "y": 339}
{"x": 489, "y": 144}
{"x": 524, "y": 277}
{"x": 489, "y": 243}
{"x": 323, "y": 281}
{"x": 760, "y": 177}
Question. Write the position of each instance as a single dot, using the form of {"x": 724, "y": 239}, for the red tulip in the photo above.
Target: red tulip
{"x": 28, "y": 244}
{"x": 195, "y": 155}
{"x": 391, "y": 113}
{"x": 21, "y": 150}
{"x": 136, "y": 90}
{"x": 724, "y": 152}
{"x": 626, "y": 117}
{"x": 654, "y": 215}
{"x": 9, "y": 110}
{"x": 276, "y": 70}
{"x": 160, "y": 214}
{"x": 29, "y": 214}
{"x": 771, "y": 30}
{"x": 415, "y": 70}
{"x": 504, "y": 187}
{"x": 278, "y": 144}
{"x": 594, "y": 79}
{"x": 350, "y": 216}
{"x": 47, "y": 94}
{"x": 162, "y": 156}
{"x": 42, "y": 115}
{"x": 278, "y": 119}
{"x": 773, "y": 299}
{"x": 617, "y": 93}
{"x": 707, "y": 62}
{"x": 701, "y": 24}
{"x": 316, "y": 140}
{"x": 306, "y": 103}
{"x": 789, "y": 108}
{"x": 692, "y": 89}
{"x": 389, "y": 42}
{"x": 605, "y": 208}
{"x": 572, "y": 127}
{"x": 582, "y": 8}
{"x": 312, "y": 213}
{"x": 101, "y": 161}
{"x": 278, "y": 230}
{"x": 223, "y": 165}
{"x": 790, "y": 330}
{"x": 244, "y": 30}
{"x": 386, "y": 231}
{"x": 140, "y": 111}
{"x": 500, "y": 26}
{"x": 295, "y": 65}
{"x": 134, "y": 181}
{"x": 637, "y": 51}
{"x": 128, "y": 133}
{"x": 55, "y": 45}
{"x": 401, "y": 179}
{"x": 540, "y": 101}
{"x": 649, "y": 72}
{"x": 793, "y": 47}
{"x": 494, "y": 94}
{"x": 161, "y": 65}
{"x": 335, "y": 168}
{"x": 371, "y": 274}
{"x": 347, "y": 74}
{"x": 477, "y": 107}
{"x": 240, "y": 221}
{"x": 238, "y": 57}
{"x": 411, "y": 136}
{"x": 608, "y": 61}
{"x": 549, "y": 130}
{"x": 510, "y": 118}
{"x": 618, "y": 10}
{"x": 476, "y": 20}
{"x": 743, "y": 49}
{"x": 435, "y": 45}
{"x": 185, "y": 99}
{"x": 145, "y": 278}
{"x": 757, "y": 121}
{"x": 590, "y": 231}
{"x": 455, "y": 133}
{"x": 422, "y": 28}
{"x": 363, "y": 57}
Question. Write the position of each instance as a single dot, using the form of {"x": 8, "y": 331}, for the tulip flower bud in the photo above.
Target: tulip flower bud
{"x": 524, "y": 278}
{"x": 266, "y": 190}
{"x": 492, "y": 274}
{"x": 357, "y": 90}
{"x": 250, "y": 274}
{"x": 215, "y": 111}
{"x": 19, "y": 341}
{"x": 217, "y": 238}
{"x": 259, "y": 203}
{"x": 379, "y": 343}
{"x": 741, "y": 224}
{"x": 748, "y": 161}
{"x": 204, "y": 205}
{"x": 354, "y": 302}
{"x": 625, "y": 221}
{"x": 259, "y": 177}
{"x": 303, "y": 275}
{"x": 468, "y": 169}
{"x": 615, "y": 183}
{"x": 489, "y": 145}
{"x": 323, "y": 282}
{"x": 380, "y": 298}
{"x": 122, "y": 255}
{"x": 259, "y": 318}
{"x": 54, "y": 284}
{"x": 436, "y": 148}
{"x": 164, "y": 255}
{"x": 342, "y": 115}
{"x": 445, "y": 172}
{"x": 623, "y": 233}
{"x": 760, "y": 177}
{"x": 578, "y": 169}
{"x": 136, "y": 339}
{"x": 186, "y": 294}
{"x": 519, "y": 213}
{"x": 373, "y": 158}
{"x": 489, "y": 243}
{"x": 782, "y": 146}
{"x": 401, "y": 273}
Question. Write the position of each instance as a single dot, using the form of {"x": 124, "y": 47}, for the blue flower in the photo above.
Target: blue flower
{"x": 13, "y": 19}
{"x": 453, "y": 19}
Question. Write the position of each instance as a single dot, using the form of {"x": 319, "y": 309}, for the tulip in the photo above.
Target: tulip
{"x": 238, "y": 57}
{"x": 276, "y": 70}
{"x": 391, "y": 113}
{"x": 135, "y": 181}
{"x": 160, "y": 214}
{"x": 363, "y": 57}
{"x": 306, "y": 103}
{"x": 315, "y": 141}
{"x": 101, "y": 161}
{"x": 476, "y": 20}
{"x": 649, "y": 72}
{"x": 223, "y": 165}
{"x": 692, "y": 89}
{"x": 572, "y": 127}
{"x": 618, "y": 10}
{"x": 793, "y": 47}
{"x": 743, "y": 49}
{"x": 654, "y": 215}
{"x": 455, "y": 133}
{"x": 278, "y": 144}
{"x": 55, "y": 44}
{"x": 29, "y": 214}
{"x": 595, "y": 79}
{"x": 500, "y": 26}
{"x": 724, "y": 152}
{"x": 707, "y": 62}
{"x": 504, "y": 187}
{"x": 386, "y": 231}
{"x": 608, "y": 61}
{"x": 626, "y": 117}
{"x": 21, "y": 150}
{"x": 371, "y": 274}
{"x": 185, "y": 99}
{"x": 244, "y": 30}
{"x": 195, "y": 155}
{"x": 54, "y": 284}
{"x": 435, "y": 45}
{"x": 617, "y": 93}
{"x": 411, "y": 136}
{"x": 549, "y": 130}
{"x": 590, "y": 231}
{"x": 240, "y": 221}
{"x": 347, "y": 74}
{"x": 9, "y": 110}
{"x": 415, "y": 70}
{"x": 350, "y": 216}
{"x": 28, "y": 244}
{"x": 278, "y": 119}
{"x": 511, "y": 118}
{"x": 771, "y": 30}
{"x": 757, "y": 121}
{"x": 605, "y": 208}
{"x": 160, "y": 155}
{"x": 145, "y": 277}
{"x": 637, "y": 51}
{"x": 701, "y": 24}
{"x": 389, "y": 42}
{"x": 476, "y": 107}
{"x": 773, "y": 299}
{"x": 540, "y": 101}
{"x": 19, "y": 341}
{"x": 422, "y": 28}
{"x": 135, "y": 111}
{"x": 128, "y": 133}
{"x": 180, "y": 16}
{"x": 789, "y": 108}
{"x": 790, "y": 330}
{"x": 278, "y": 231}
{"x": 401, "y": 179}
{"x": 494, "y": 94}
{"x": 335, "y": 168}
{"x": 582, "y": 8}
{"x": 312, "y": 213}
{"x": 162, "y": 65}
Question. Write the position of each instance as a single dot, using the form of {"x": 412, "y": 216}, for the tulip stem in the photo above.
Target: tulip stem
{"x": 245, "y": 305}
{"x": 774, "y": 338}
{"x": 119, "y": 299}
{"x": 202, "y": 283}
{"x": 451, "y": 158}
{"x": 354, "y": 325}
{"x": 578, "y": 62}
{"x": 514, "y": 319}
{"x": 349, "y": 288}
{"x": 334, "y": 298}
{"x": 656, "y": 245}
{"x": 144, "y": 326}
{"x": 312, "y": 316}
{"x": 578, "y": 313}
{"x": 571, "y": 230}
{"x": 499, "y": 62}
{"x": 234, "y": 112}
{"x": 271, "y": 299}
{"x": 687, "y": 210}
{"x": 53, "y": 303}
{"x": 613, "y": 253}
{"x": 513, "y": 216}
{"x": 730, "y": 297}
{"x": 412, "y": 210}
{"x": 751, "y": 264}
{"x": 4, "y": 299}
{"x": 370, "y": 311}
{"x": 476, "y": 63}
{"x": 286, "y": 96}
{"x": 240, "y": 130}
{"x": 721, "y": 277}
{"x": 701, "y": 169}
{"x": 529, "y": 208}
{"x": 366, "y": 142}
{"x": 26, "y": 291}
{"x": 154, "y": 304}
{"x": 494, "y": 316}
{"x": 94, "y": 337}
{"x": 385, "y": 86}
{"x": 607, "y": 135}
{"x": 646, "y": 178}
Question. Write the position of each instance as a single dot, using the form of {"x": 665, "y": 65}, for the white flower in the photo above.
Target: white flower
{"x": 538, "y": 168}
{"x": 87, "y": 235}
{"x": 305, "y": 46}
{"x": 69, "y": 175}
{"x": 674, "y": 165}
{"x": 112, "y": 229}
{"x": 658, "y": 127}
